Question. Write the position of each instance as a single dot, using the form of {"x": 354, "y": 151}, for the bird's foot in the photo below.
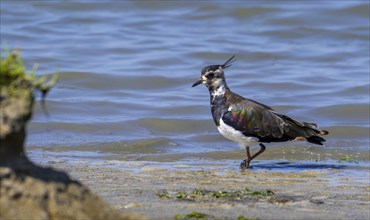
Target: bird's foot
{"x": 244, "y": 165}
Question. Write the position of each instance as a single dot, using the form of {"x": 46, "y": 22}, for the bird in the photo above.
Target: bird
{"x": 248, "y": 122}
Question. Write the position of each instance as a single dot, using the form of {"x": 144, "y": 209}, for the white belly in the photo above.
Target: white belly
{"x": 235, "y": 135}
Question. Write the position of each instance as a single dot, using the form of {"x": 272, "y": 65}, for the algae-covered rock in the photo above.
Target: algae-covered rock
{"x": 16, "y": 101}
{"x": 29, "y": 191}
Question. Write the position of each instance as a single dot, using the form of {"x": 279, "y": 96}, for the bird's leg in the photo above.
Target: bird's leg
{"x": 245, "y": 164}
{"x": 263, "y": 148}
{"x": 248, "y": 153}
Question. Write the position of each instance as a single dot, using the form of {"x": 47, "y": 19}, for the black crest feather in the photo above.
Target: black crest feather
{"x": 228, "y": 62}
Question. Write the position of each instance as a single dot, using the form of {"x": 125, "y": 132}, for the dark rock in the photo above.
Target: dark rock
{"x": 29, "y": 191}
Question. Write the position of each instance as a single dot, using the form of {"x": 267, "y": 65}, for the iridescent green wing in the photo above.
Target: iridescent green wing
{"x": 254, "y": 120}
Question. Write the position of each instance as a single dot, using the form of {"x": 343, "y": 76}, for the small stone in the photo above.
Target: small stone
{"x": 132, "y": 205}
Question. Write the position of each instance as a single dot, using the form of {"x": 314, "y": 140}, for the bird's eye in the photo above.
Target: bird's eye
{"x": 210, "y": 75}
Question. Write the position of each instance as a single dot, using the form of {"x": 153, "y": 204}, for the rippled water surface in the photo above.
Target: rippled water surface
{"x": 126, "y": 70}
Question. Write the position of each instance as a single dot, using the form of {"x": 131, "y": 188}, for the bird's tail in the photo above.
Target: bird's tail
{"x": 315, "y": 128}
{"x": 315, "y": 139}
{"x": 305, "y": 130}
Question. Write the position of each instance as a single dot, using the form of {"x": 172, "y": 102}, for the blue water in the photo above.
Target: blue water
{"x": 126, "y": 70}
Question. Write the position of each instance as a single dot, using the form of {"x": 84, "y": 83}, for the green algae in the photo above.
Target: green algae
{"x": 200, "y": 215}
{"x": 210, "y": 194}
{"x": 240, "y": 217}
{"x": 16, "y": 81}
{"x": 192, "y": 215}
{"x": 348, "y": 159}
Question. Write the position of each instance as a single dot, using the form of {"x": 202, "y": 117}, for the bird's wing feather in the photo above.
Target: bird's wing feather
{"x": 299, "y": 129}
{"x": 255, "y": 119}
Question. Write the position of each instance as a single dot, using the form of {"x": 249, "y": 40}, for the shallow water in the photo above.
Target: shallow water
{"x": 125, "y": 75}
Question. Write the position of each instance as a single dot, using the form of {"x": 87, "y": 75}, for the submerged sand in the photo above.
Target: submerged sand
{"x": 158, "y": 193}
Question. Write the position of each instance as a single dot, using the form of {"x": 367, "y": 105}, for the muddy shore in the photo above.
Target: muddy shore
{"x": 164, "y": 193}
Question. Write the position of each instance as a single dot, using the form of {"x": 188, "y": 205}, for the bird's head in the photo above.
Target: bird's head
{"x": 213, "y": 75}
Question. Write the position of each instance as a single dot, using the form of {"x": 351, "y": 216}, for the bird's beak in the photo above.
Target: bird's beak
{"x": 197, "y": 83}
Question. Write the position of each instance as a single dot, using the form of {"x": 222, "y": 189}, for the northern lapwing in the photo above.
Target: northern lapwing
{"x": 248, "y": 122}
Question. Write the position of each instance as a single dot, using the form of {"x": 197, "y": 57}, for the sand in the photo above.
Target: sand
{"x": 160, "y": 193}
